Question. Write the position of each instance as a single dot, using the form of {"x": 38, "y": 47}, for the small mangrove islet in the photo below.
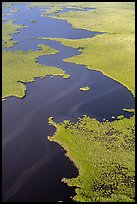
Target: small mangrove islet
{"x": 33, "y": 21}
{"x": 85, "y": 88}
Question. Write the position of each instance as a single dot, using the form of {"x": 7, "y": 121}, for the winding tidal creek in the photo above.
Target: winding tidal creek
{"x": 32, "y": 166}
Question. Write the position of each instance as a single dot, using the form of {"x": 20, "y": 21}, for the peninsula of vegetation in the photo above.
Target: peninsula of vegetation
{"x": 13, "y": 80}
{"x": 7, "y": 29}
{"x": 104, "y": 156}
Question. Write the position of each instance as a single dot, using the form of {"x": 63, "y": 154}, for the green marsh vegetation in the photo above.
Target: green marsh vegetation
{"x": 8, "y": 14}
{"x": 103, "y": 152}
{"x": 7, "y": 4}
{"x": 128, "y": 109}
{"x": 14, "y": 11}
{"x": 52, "y": 7}
{"x": 85, "y": 88}
{"x": 120, "y": 117}
{"x": 113, "y": 52}
{"x": 7, "y": 29}
{"x": 104, "y": 155}
{"x": 4, "y": 19}
{"x": 33, "y": 21}
{"x": 19, "y": 67}
{"x": 99, "y": 54}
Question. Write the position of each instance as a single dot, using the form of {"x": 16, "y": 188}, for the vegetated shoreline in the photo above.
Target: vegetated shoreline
{"x": 100, "y": 26}
{"x": 42, "y": 70}
{"x": 64, "y": 76}
{"x": 66, "y": 146}
{"x": 96, "y": 69}
{"x": 57, "y": 130}
{"x": 14, "y": 29}
{"x": 61, "y": 139}
{"x": 51, "y": 139}
{"x": 104, "y": 73}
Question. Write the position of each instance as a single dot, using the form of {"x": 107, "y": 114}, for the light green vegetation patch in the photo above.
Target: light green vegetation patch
{"x": 85, "y": 88}
{"x": 103, "y": 152}
{"x": 120, "y": 117}
{"x": 33, "y": 21}
{"x": 37, "y": 4}
{"x": 19, "y": 67}
{"x": 7, "y": 29}
{"x": 53, "y": 10}
{"x": 113, "y": 52}
{"x": 66, "y": 76}
{"x": 14, "y": 11}
{"x": 129, "y": 109}
{"x": 114, "y": 56}
{"x": 52, "y": 7}
{"x": 7, "y": 4}
{"x": 8, "y": 14}
{"x": 4, "y": 19}
{"x": 104, "y": 155}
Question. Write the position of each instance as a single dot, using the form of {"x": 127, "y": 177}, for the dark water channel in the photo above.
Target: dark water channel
{"x": 32, "y": 167}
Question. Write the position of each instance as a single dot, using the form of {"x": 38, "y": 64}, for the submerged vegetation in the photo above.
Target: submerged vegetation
{"x": 20, "y": 67}
{"x": 104, "y": 155}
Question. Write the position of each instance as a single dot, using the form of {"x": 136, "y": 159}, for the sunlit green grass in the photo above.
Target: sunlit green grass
{"x": 104, "y": 156}
{"x": 114, "y": 55}
{"x": 113, "y": 52}
{"x": 7, "y": 29}
{"x": 103, "y": 152}
{"x": 19, "y": 67}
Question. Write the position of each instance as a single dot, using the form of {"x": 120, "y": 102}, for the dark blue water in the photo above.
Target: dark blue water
{"x": 32, "y": 166}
